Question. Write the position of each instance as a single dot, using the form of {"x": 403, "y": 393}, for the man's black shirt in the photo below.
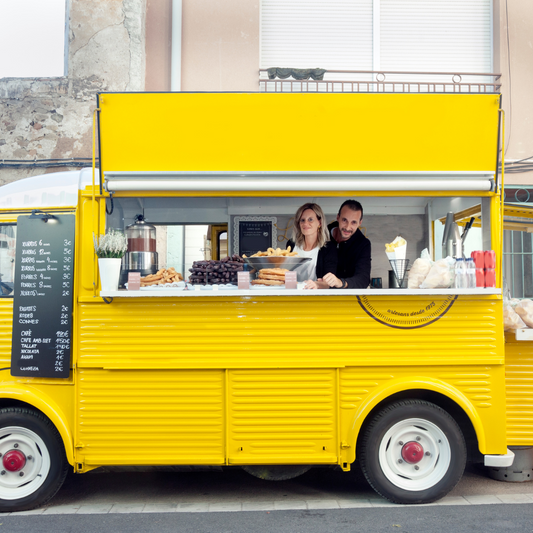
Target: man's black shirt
{"x": 354, "y": 258}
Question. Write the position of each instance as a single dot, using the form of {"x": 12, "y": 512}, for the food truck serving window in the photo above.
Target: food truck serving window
{"x": 178, "y": 228}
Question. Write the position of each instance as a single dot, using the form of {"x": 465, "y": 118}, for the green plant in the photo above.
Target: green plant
{"x": 111, "y": 245}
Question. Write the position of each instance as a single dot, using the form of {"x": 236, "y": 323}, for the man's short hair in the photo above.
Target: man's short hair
{"x": 354, "y": 205}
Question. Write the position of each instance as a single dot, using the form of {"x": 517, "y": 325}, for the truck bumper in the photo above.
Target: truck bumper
{"x": 500, "y": 460}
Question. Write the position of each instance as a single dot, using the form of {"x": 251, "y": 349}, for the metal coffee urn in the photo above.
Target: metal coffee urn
{"x": 141, "y": 255}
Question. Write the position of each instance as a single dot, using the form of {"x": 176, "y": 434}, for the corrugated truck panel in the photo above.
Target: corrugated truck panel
{"x": 519, "y": 385}
{"x": 150, "y": 417}
{"x": 282, "y": 416}
{"x": 257, "y": 332}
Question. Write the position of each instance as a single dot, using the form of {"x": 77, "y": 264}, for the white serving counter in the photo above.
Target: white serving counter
{"x": 277, "y": 291}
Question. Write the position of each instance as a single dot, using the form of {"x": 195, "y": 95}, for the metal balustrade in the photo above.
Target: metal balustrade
{"x": 381, "y": 81}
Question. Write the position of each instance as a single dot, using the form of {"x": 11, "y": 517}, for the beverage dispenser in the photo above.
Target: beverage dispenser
{"x": 141, "y": 255}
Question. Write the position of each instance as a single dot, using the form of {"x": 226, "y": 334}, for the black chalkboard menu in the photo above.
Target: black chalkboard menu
{"x": 42, "y": 301}
{"x": 254, "y": 236}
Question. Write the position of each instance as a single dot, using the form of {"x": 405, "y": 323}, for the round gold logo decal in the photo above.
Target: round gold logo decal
{"x": 406, "y": 313}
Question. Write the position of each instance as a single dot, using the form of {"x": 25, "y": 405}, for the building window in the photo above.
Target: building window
{"x": 518, "y": 263}
{"x": 32, "y": 38}
{"x": 518, "y": 244}
{"x": 390, "y": 35}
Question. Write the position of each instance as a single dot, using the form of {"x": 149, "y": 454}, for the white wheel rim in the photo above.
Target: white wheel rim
{"x": 13, "y": 485}
{"x": 430, "y": 469}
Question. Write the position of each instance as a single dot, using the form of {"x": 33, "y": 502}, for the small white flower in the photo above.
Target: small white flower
{"x": 113, "y": 244}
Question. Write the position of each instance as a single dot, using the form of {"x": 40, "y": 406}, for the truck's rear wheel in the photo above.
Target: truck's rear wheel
{"x": 32, "y": 462}
{"x": 412, "y": 452}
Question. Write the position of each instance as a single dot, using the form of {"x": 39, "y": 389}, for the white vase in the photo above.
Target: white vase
{"x": 109, "y": 273}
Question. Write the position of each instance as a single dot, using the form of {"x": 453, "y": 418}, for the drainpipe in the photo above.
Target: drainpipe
{"x": 175, "y": 71}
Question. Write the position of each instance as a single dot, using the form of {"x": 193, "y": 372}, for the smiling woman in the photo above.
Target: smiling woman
{"x": 32, "y": 32}
{"x": 310, "y": 239}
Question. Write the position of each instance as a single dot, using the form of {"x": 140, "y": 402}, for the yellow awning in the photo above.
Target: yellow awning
{"x": 299, "y": 132}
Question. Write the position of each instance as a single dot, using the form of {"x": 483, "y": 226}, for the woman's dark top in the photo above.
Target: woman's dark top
{"x": 326, "y": 260}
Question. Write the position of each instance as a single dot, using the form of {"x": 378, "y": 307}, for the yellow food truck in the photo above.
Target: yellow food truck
{"x": 411, "y": 383}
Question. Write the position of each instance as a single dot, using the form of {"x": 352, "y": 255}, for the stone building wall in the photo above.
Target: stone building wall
{"x": 51, "y": 118}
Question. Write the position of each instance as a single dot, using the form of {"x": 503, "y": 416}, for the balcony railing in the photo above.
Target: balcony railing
{"x": 359, "y": 81}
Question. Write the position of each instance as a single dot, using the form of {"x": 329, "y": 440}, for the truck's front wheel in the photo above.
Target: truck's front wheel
{"x": 412, "y": 452}
{"x": 32, "y": 461}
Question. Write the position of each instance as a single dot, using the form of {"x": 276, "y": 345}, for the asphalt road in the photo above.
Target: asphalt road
{"x": 229, "y": 500}
{"x": 419, "y": 519}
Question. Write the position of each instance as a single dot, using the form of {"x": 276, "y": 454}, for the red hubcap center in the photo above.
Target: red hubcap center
{"x": 412, "y": 452}
{"x": 14, "y": 460}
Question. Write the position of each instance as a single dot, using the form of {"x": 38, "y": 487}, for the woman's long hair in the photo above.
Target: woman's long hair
{"x": 322, "y": 235}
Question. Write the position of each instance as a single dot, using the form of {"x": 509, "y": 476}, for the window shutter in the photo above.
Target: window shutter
{"x": 330, "y": 34}
{"x": 436, "y": 35}
{"x": 413, "y": 35}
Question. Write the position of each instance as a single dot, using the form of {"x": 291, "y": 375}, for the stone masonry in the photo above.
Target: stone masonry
{"x": 51, "y": 118}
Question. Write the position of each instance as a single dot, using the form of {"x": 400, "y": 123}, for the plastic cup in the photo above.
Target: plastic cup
{"x": 490, "y": 277}
{"x": 490, "y": 259}
{"x": 479, "y": 258}
{"x": 480, "y": 277}
{"x": 376, "y": 283}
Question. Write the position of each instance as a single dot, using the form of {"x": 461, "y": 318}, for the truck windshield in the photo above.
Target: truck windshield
{"x": 8, "y": 234}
